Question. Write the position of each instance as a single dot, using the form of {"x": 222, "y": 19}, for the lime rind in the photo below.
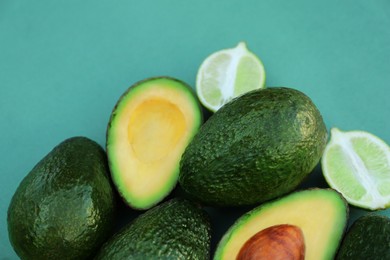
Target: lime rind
{"x": 357, "y": 164}
{"x": 228, "y": 73}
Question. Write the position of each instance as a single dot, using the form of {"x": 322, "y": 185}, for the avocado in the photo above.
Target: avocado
{"x": 320, "y": 214}
{"x": 257, "y": 147}
{"x": 367, "y": 238}
{"x": 65, "y": 207}
{"x": 174, "y": 229}
{"x": 149, "y": 128}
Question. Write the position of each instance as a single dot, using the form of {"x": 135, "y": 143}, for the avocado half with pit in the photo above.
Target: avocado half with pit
{"x": 306, "y": 224}
{"x": 149, "y": 128}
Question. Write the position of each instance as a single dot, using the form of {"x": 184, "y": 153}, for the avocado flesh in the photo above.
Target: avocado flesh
{"x": 175, "y": 229}
{"x": 321, "y": 214}
{"x": 257, "y": 147}
{"x": 65, "y": 207}
{"x": 367, "y": 238}
{"x": 150, "y": 127}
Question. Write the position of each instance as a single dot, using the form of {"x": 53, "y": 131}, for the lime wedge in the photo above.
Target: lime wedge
{"x": 227, "y": 74}
{"x": 357, "y": 164}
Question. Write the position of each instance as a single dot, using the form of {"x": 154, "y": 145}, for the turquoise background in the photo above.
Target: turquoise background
{"x": 64, "y": 64}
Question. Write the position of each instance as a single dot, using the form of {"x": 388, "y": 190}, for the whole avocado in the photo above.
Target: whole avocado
{"x": 257, "y": 147}
{"x": 175, "y": 229}
{"x": 65, "y": 207}
{"x": 367, "y": 238}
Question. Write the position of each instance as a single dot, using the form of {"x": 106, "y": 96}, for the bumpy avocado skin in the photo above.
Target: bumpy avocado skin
{"x": 175, "y": 229}
{"x": 367, "y": 238}
{"x": 255, "y": 148}
{"x": 65, "y": 207}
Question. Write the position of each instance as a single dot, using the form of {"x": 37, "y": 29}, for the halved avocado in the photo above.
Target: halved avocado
{"x": 149, "y": 128}
{"x": 321, "y": 215}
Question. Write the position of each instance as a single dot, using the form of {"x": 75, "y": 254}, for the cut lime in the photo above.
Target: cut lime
{"x": 227, "y": 74}
{"x": 357, "y": 164}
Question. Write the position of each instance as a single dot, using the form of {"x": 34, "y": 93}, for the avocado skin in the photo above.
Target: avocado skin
{"x": 65, "y": 207}
{"x": 367, "y": 238}
{"x": 175, "y": 229}
{"x": 255, "y": 148}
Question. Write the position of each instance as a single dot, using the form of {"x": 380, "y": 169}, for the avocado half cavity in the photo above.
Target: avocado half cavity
{"x": 149, "y": 128}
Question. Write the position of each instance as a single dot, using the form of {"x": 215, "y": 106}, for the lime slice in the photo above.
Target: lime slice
{"x": 227, "y": 74}
{"x": 357, "y": 164}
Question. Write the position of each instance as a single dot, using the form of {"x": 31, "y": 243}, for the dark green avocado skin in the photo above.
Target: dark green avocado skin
{"x": 175, "y": 229}
{"x": 65, "y": 207}
{"x": 255, "y": 148}
{"x": 367, "y": 238}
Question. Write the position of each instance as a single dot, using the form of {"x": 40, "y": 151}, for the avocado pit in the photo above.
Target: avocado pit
{"x": 276, "y": 242}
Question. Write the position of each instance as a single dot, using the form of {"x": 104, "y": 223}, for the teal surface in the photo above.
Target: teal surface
{"x": 64, "y": 64}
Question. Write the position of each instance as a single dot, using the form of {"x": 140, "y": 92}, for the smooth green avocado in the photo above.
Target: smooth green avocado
{"x": 321, "y": 215}
{"x": 367, "y": 238}
{"x": 149, "y": 128}
{"x": 65, "y": 207}
{"x": 175, "y": 229}
{"x": 257, "y": 147}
